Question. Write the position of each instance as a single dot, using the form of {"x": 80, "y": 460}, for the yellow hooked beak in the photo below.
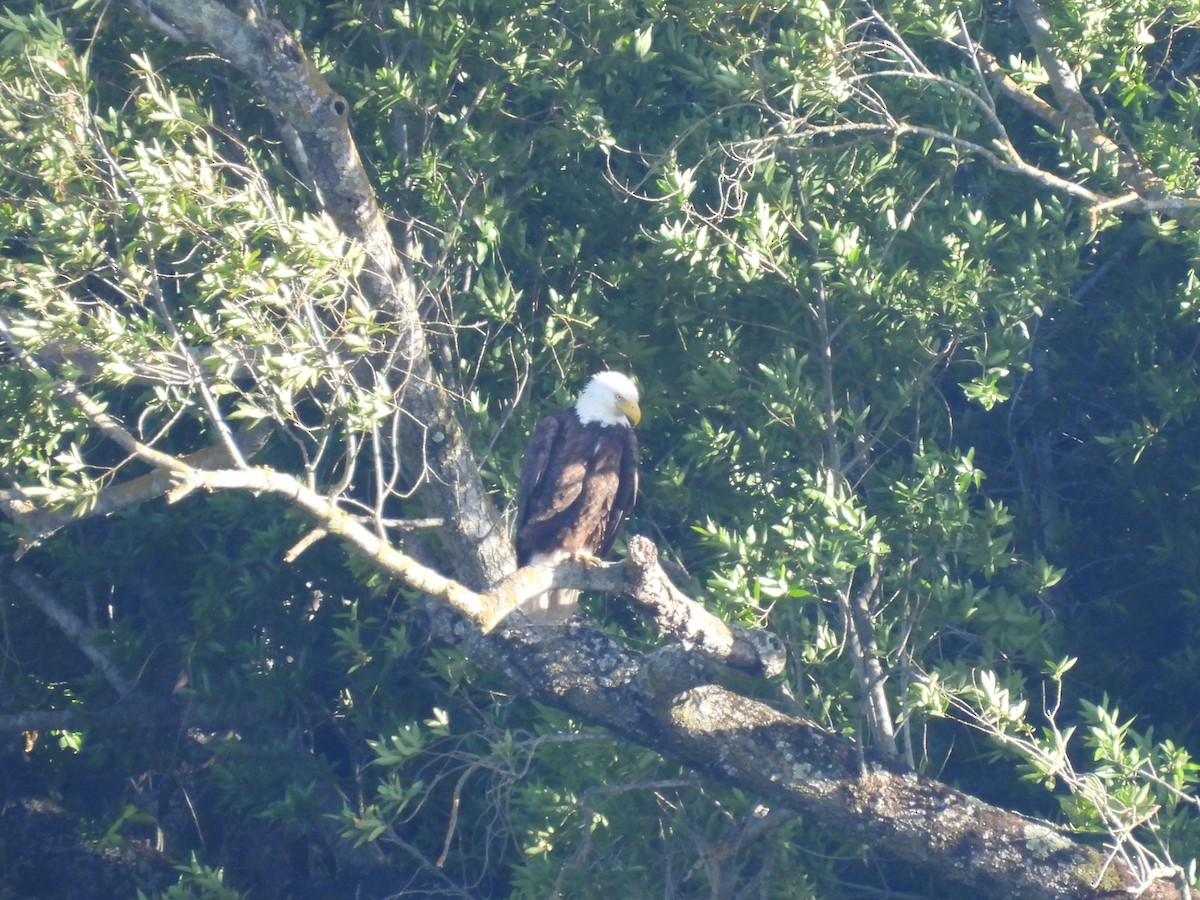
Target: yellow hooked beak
{"x": 632, "y": 411}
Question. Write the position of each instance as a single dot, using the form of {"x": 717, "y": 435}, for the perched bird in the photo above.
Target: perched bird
{"x": 579, "y": 479}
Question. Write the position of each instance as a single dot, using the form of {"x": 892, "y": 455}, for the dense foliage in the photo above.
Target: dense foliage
{"x": 928, "y": 414}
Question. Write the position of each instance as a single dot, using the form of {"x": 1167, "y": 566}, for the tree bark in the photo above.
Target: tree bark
{"x": 316, "y": 119}
{"x": 664, "y": 700}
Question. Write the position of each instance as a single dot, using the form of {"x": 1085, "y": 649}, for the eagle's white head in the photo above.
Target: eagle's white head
{"x": 610, "y": 398}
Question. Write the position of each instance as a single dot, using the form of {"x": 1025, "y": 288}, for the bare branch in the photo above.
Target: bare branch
{"x": 864, "y": 651}
{"x": 1027, "y": 100}
{"x": 336, "y": 521}
{"x": 38, "y": 523}
{"x": 672, "y": 613}
{"x": 70, "y": 624}
{"x": 263, "y": 50}
{"x": 677, "y": 616}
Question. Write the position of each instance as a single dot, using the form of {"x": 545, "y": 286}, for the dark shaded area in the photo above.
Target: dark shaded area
{"x": 43, "y": 855}
{"x": 1096, "y": 452}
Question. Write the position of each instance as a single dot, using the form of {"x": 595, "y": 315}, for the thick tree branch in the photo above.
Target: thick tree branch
{"x": 663, "y": 701}
{"x": 671, "y": 612}
{"x": 681, "y": 618}
{"x": 263, "y": 50}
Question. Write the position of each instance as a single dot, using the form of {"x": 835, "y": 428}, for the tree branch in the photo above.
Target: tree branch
{"x": 1076, "y": 112}
{"x": 666, "y": 701}
{"x": 663, "y": 701}
{"x": 38, "y": 523}
{"x": 682, "y": 619}
{"x": 70, "y": 625}
{"x": 337, "y": 521}
{"x": 671, "y": 612}
{"x": 263, "y": 50}
{"x": 641, "y": 577}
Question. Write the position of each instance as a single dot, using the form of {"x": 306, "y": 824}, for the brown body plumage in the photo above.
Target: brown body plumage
{"x": 578, "y": 483}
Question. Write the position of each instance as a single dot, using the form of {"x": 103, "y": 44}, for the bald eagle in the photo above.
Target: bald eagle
{"x": 579, "y": 479}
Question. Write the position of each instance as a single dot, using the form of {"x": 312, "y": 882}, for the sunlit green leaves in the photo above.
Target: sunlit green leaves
{"x": 171, "y": 263}
{"x": 198, "y": 882}
{"x": 876, "y": 368}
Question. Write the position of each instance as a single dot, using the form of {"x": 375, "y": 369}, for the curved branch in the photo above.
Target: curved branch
{"x": 641, "y": 577}
{"x": 38, "y": 523}
{"x": 671, "y": 612}
{"x": 317, "y": 117}
{"x": 1147, "y": 192}
{"x": 666, "y": 700}
{"x": 677, "y": 616}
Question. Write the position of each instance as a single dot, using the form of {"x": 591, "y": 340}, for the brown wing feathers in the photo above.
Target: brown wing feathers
{"x": 578, "y": 482}
{"x": 626, "y": 490}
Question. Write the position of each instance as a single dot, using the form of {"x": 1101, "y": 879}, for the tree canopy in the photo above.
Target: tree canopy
{"x": 910, "y": 596}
